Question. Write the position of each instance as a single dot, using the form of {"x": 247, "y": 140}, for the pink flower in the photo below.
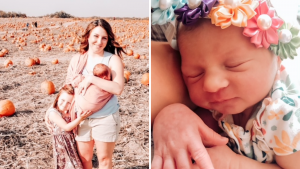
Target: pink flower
{"x": 262, "y": 28}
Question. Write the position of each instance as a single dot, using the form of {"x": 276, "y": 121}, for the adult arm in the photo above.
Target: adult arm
{"x": 167, "y": 85}
{"x": 115, "y": 86}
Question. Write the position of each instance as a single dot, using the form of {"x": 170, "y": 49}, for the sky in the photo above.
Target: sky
{"x": 79, "y": 8}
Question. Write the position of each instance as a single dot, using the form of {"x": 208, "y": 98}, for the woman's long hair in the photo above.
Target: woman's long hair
{"x": 111, "y": 45}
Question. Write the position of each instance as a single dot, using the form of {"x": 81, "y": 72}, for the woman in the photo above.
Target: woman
{"x": 101, "y": 128}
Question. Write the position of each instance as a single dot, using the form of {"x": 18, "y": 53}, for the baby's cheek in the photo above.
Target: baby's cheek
{"x": 197, "y": 97}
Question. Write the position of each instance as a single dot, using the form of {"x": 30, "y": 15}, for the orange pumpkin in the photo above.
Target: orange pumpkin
{"x": 127, "y": 73}
{"x": 2, "y": 54}
{"x": 7, "y": 108}
{"x": 29, "y": 62}
{"x": 32, "y": 73}
{"x": 5, "y": 51}
{"x": 136, "y": 56}
{"x": 55, "y": 61}
{"x": 129, "y": 52}
{"x": 36, "y": 61}
{"x": 7, "y": 63}
{"x": 47, "y": 87}
{"x": 126, "y": 76}
{"x": 145, "y": 79}
{"x": 143, "y": 57}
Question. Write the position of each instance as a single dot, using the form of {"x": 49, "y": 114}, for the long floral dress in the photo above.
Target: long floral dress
{"x": 64, "y": 147}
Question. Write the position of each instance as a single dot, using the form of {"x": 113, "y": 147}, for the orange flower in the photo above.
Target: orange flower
{"x": 275, "y": 115}
{"x": 237, "y": 14}
{"x": 286, "y": 147}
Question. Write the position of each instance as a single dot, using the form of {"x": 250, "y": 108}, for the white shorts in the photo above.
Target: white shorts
{"x": 104, "y": 129}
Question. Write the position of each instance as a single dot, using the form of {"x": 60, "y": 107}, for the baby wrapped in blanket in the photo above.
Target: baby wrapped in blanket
{"x": 94, "y": 98}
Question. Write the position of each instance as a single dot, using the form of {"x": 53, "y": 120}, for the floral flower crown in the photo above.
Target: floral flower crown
{"x": 258, "y": 19}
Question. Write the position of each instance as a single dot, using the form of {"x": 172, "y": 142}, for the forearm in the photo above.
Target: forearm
{"x": 248, "y": 163}
{"x": 167, "y": 85}
{"x": 70, "y": 126}
{"x": 109, "y": 86}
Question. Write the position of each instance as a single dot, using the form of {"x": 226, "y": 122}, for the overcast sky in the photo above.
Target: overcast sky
{"x": 79, "y": 8}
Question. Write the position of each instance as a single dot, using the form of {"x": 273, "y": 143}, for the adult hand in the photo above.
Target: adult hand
{"x": 179, "y": 135}
{"x": 48, "y": 123}
{"x": 87, "y": 81}
{"x": 225, "y": 160}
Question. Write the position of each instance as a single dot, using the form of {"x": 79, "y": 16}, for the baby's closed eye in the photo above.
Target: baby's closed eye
{"x": 238, "y": 66}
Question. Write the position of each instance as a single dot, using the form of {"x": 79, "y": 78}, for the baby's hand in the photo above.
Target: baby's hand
{"x": 180, "y": 135}
{"x": 84, "y": 114}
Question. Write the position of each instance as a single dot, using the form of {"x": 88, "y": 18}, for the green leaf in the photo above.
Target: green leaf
{"x": 288, "y": 101}
{"x": 287, "y": 116}
{"x": 297, "y": 114}
{"x": 290, "y": 86}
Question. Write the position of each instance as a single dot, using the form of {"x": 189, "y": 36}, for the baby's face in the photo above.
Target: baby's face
{"x": 223, "y": 71}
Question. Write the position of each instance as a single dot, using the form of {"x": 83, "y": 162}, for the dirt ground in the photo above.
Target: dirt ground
{"x": 24, "y": 139}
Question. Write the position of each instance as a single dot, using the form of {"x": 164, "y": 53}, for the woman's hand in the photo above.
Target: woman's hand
{"x": 179, "y": 136}
{"x": 87, "y": 81}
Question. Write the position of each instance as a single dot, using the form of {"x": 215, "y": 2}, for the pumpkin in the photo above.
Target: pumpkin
{"x": 5, "y": 51}
{"x": 143, "y": 57}
{"x": 29, "y": 62}
{"x": 7, "y": 108}
{"x": 55, "y": 61}
{"x": 7, "y": 63}
{"x": 2, "y": 54}
{"x": 126, "y": 76}
{"x": 145, "y": 79}
{"x": 129, "y": 52}
{"x": 47, "y": 87}
{"x": 32, "y": 73}
{"x": 136, "y": 56}
{"x": 127, "y": 73}
{"x": 36, "y": 61}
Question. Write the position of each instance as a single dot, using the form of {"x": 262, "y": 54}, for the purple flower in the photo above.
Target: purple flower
{"x": 189, "y": 16}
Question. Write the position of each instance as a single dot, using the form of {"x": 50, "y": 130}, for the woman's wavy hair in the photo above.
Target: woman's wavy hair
{"x": 112, "y": 46}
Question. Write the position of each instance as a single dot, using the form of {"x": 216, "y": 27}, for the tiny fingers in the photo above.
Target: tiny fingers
{"x": 169, "y": 163}
{"x": 156, "y": 162}
{"x": 183, "y": 160}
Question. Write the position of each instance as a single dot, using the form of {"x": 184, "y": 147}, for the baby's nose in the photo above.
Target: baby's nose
{"x": 214, "y": 81}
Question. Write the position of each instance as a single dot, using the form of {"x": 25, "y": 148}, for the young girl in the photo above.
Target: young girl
{"x": 65, "y": 150}
{"x": 230, "y": 71}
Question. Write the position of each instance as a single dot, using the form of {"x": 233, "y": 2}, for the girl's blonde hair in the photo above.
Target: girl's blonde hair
{"x": 66, "y": 88}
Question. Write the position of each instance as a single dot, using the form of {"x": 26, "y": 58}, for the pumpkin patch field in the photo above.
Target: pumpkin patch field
{"x": 33, "y": 67}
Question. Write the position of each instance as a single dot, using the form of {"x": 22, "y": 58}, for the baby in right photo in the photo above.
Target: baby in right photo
{"x": 226, "y": 99}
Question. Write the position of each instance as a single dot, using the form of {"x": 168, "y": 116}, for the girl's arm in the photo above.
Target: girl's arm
{"x": 57, "y": 119}
{"x": 115, "y": 86}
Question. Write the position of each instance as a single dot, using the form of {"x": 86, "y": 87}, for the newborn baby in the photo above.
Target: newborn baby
{"x": 94, "y": 98}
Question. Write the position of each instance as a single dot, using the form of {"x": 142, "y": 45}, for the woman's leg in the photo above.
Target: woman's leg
{"x": 104, "y": 154}
{"x": 85, "y": 151}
